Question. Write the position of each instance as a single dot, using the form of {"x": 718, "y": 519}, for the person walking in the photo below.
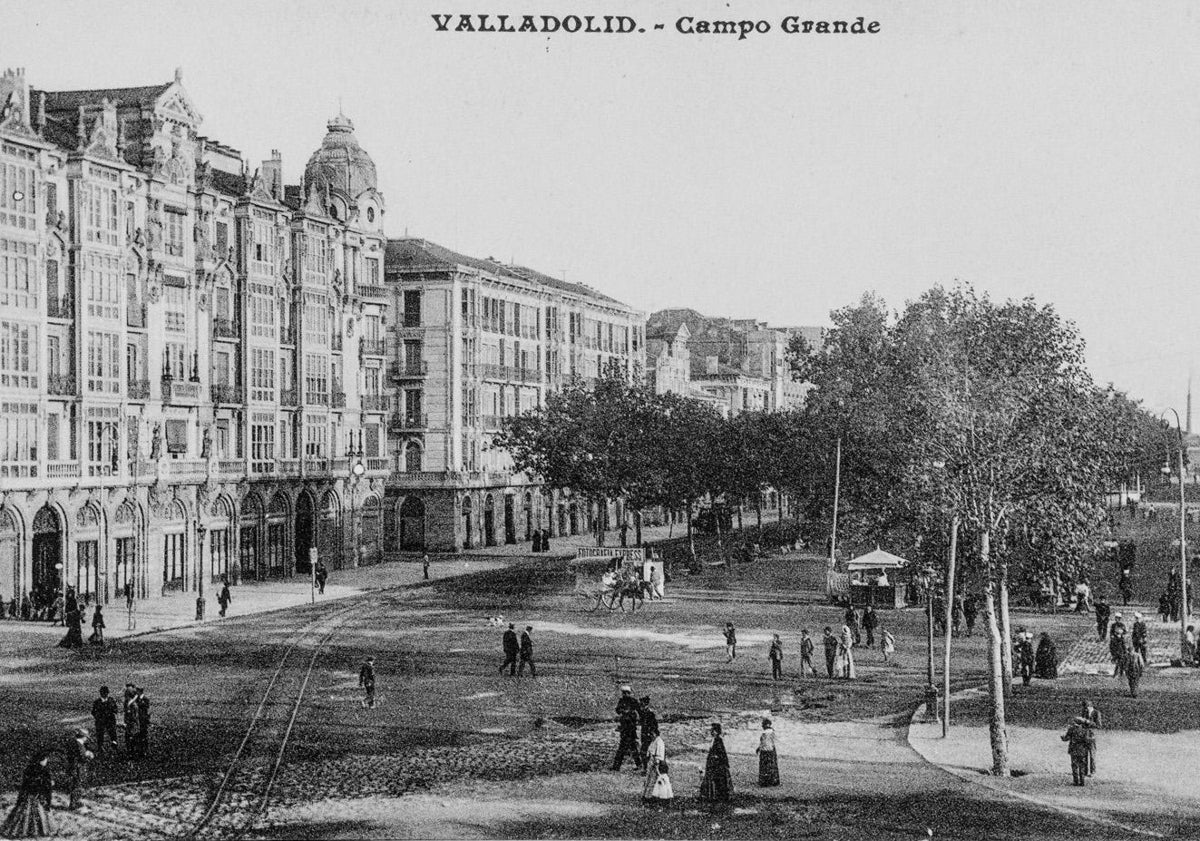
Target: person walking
{"x": 131, "y": 720}
{"x": 425, "y": 566}
{"x": 887, "y": 645}
{"x": 831, "y": 650}
{"x": 322, "y": 575}
{"x": 807, "y": 648}
{"x": 768, "y": 759}
{"x": 30, "y": 816}
{"x": 511, "y": 649}
{"x": 775, "y": 655}
{"x": 142, "y": 703}
{"x": 526, "y": 653}
{"x": 225, "y": 597}
{"x": 717, "y": 784}
{"x": 970, "y": 612}
{"x": 1103, "y": 611}
{"x": 647, "y": 723}
{"x": 74, "y": 623}
{"x": 730, "y": 642}
{"x": 1092, "y": 715}
{"x": 78, "y": 757}
{"x": 104, "y": 716}
{"x": 97, "y": 637}
{"x": 1025, "y": 656}
{"x": 1117, "y": 645}
{"x": 627, "y": 724}
{"x": 1137, "y": 636}
{"x": 366, "y": 679}
{"x": 1078, "y": 738}
{"x": 1164, "y": 607}
{"x": 656, "y": 753}
{"x": 845, "y": 656}
{"x": 870, "y": 621}
{"x": 1135, "y": 667}
{"x": 851, "y": 621}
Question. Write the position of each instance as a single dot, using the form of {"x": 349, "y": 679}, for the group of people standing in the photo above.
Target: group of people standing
{"x": 73, "y": 619}
{"x": 636, "y": 716}
{"x": 1028, "y": 663}
{"x": 1128, "y": 649}
{"x": 1081, "y": 743}
{"x": 30, "y": 816}
{"x": 839, "y": 648}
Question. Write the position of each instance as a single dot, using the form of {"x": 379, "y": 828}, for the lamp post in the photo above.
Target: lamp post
{"x": 1183, "y": 571}
{"x": 201, "y": 531}
{"x": 926, "y": 578}
{"x": 62, "y": 580}
{"x": 356, "y": 472}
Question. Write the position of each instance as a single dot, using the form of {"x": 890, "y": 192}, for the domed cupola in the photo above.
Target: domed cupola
{"x": 341, "y": 162}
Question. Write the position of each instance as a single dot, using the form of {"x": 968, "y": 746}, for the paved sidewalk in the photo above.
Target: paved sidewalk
{"x": 178, "y": 610}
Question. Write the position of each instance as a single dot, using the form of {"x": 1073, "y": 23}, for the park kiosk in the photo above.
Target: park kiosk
{"x": 874, "y": 580}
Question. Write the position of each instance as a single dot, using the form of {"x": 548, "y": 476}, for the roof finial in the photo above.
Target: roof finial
{"x": 341, "y": 113}
{"x": 179, "y": 75}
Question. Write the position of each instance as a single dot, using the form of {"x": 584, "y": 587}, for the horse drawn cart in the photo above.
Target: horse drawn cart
{"x": 609, "y": 578}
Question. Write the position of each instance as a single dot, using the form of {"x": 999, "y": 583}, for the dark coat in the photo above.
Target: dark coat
{"x": 526, "y": 645}
{"x": 870, "y": 620}
{"x": 105, "y": 709}
{"x": 1079, "y": 738}
{"x": 511, "y": 646}
{"x": 718, "y": 784}
{"x": 225, "y": 597}
{"x": 1047, "y": 658}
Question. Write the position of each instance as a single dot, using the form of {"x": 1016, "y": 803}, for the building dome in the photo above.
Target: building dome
{"x": 341, "y": 162}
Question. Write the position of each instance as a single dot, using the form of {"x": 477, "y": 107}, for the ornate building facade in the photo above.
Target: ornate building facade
{"x": 207, "y": 374}
{"x": 191, "y": 355}
{"x": 477, "y": 341}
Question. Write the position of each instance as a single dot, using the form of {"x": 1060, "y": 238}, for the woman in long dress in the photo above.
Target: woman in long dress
{"x": 845, "y": 660}
{"x": 663, "y": 793}
{"x": 718, "y": 784}
{"x": 30, "y": 817}
{"x": 656, "y": 752}
{"x": 768, "y": 759}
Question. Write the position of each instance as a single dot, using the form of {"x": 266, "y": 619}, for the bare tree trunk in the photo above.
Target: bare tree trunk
{"x": 601, "y": 521}
{"x": 996, "y": 726}
{"x": 1006, "y": 654}
{"x": 691, "y": 538}
{"x": 740, "y": 506}
{"x": 950, "y": 568}
{"x": 720, "y": 541}
{"x": 637, "y": 524}
{"x": 758, "y": 513}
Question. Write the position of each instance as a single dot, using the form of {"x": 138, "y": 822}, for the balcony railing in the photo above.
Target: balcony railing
{"x": 336, "y": 340}
{"x": 375, "y": 402}
{"x": 225, "y": 393}
{"x": 63, "y": 307}
{"x": 63, "y": 470}
{"x": 135, "y": 314}
{"x": 409, "y": 369}
{"x": 366, "y": 290}
{"x": 187, "y": 469}
{"x": 492, "y": 421}
{"x": 289, "y": 397}
{"x": 314, "y": 399}
{"x": 288, "y": 466}
{"x": 63, "y": 384}
{"x": 338, "y": 399}
{"x": 231, "y": 467}
{"x": 375, "y": 347}
{"x": 340, "y": 465}
{"x": 139, "y": 389}
{"x": 374, "y": 464}
{"x": 316, "y": 465}
{"x": 530, "y": 375}
{"x": 177, "y": 391}
{"x": 226, "y": 328}
{"x": 407, "y": 421}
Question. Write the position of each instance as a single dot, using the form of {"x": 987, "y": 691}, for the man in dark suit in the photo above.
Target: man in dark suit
{"x": 628, "y": 712}
{"x": 104, "y": 714}
{"x": 526, "y": 653}
{"x": 142, "y": 745}
{"x": 78, "y": 757}
{"x": 511, "y": 649}
{"x": 831, "y": 647}
{"x": 648, "y": 720}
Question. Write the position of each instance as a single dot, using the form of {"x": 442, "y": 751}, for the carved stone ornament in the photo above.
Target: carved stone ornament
{"x": 350, "y": 328}
{"x": 202, "y": 301}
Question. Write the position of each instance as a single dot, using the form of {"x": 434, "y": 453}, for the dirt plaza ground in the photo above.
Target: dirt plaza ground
{"x": 454, "y": 749}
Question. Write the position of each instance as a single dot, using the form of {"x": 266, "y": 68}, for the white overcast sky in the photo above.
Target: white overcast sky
{"x": 1029, "y": 148}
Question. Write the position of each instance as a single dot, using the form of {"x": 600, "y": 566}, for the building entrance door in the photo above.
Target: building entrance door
{"x": 304, "y": 534}
{"x": 47, "y": 555}
{"x": 510, "y": 520}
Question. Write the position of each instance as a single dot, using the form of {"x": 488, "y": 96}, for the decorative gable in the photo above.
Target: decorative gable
{"x": 102, "y": 141}
{"x": 14, "y": 102}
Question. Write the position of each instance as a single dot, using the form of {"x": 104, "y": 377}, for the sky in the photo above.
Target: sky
{"x": 1026, "y": 148}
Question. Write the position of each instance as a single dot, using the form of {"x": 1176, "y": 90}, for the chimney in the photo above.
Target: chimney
{"x": 272, "y": 174}
{"x": 710, "y": 363}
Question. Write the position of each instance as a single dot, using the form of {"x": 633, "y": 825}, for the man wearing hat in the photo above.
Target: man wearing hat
{"x": 1116, "y": 644}
{"x": 648, "y": 720}
{"x": 78, "y": 757}
{"x": 628, "y": 710}
{"x": 366, "y": 679}
{"x": 526, "y": 653}
{"x": 104, "y": 715}
{"x": 1079, "y": 741}
{"x": 1137, "y": 636}
{"x": 511, "y": 649}
{"x": 131, "y": 719}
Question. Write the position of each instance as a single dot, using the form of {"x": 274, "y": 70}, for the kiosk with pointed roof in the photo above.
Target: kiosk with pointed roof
{"x": 873, "y": 579}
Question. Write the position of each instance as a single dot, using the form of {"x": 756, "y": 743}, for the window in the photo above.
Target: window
{"x": 221, "y": 368}
{"x": 87, "y": 556}
{"x": 412, "y": 308}
{"x": 175, "y": 361}
{"x": 126, "y": 563}
{"x": 175, "y": 307}
{"x": 173, "y": 559}
{"x": 262, "y": 311}
{"x": 412, "y": 406}
{"x": 371, "y": 447}
{"x": 18, "y": 287}
{"x": 316, "y": 438}
{"x": 370, "y": 381}
{"x": 316, "y": 320}
{"x": 175, "y": 224}
{"x": 222, "y": 240}
{"x": 220, "y": 546}
{"x": 222, "y": 441}
{"x": 100, "y": 210}
{"x": 316, "y": 379}
{"x": 412, "y": 457}
{"x": 103, "y": 362}
{"x": 262, "y": 447}
{"x": 370, "y": 214}
{"x": 18, "y": 355}
{"x": 103, "y": 278}
{"x": 18, "y": 187}
{"x": 51, "y": 436}
{"x": 316, "y": 252}
{"x": 177, "y": 437}
{"x": 19, "y": 439}
{"x": 372, "y": 270}
{"x": 262, "y": 252}
{"x": 103, "y": 440}
{"x": 222, "y": 307}
{"x": 262, "y": 374}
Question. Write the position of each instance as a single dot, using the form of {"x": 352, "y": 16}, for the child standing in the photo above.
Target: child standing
{"x": 662, "y": 793}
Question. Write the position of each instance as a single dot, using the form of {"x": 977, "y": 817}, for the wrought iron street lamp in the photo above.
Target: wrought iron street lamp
{"x": 1183, "y": 570}
{"x": 926, "y": 578}
{"x": 201, "y": 531}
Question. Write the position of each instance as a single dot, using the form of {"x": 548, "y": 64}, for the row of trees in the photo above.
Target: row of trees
{"x": 961, "y": 421}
